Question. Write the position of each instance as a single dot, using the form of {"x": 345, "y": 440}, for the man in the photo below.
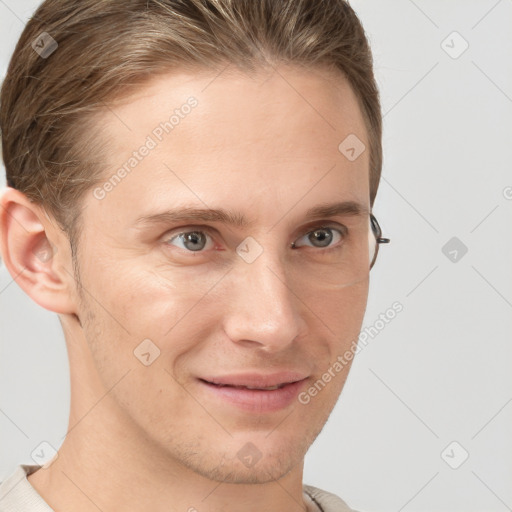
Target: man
{"x": 190, "y": 187}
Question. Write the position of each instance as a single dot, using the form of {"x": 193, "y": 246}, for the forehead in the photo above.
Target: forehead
{"x": 229, "y": 137}
{"x": 314, "y": 94}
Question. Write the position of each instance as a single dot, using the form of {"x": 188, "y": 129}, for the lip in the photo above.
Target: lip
{"x": 228, "y": 389}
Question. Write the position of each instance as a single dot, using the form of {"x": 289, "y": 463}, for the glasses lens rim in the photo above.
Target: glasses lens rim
{"x": 377, "y": 232}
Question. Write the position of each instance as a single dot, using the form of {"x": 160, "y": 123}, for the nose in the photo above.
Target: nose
{"x": 263, "y": 310}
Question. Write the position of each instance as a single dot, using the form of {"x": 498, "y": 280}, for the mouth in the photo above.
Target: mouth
{"x": 255, "y": 393}
{"x": 268, "y": 388}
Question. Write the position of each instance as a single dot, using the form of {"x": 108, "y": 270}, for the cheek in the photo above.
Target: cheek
{"x": 339, "y": 318}
{"x": 140, "y": 304}
{"x": 341, "y": 312}
{"x": 138, "y": 298}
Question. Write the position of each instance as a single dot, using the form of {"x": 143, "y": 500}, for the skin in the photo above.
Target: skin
{"x": 150, "y": 437}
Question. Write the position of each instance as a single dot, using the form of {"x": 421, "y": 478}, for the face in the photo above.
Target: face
{"x": 199, "y": 310}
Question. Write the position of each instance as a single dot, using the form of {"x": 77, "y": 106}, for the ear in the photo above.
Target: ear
{"x": 36, "y": 252}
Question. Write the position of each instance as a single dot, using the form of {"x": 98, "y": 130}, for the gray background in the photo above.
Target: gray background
{"x": 440, "y": 370}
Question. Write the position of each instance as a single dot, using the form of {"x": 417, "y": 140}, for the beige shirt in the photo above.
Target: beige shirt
{"x": 18, "y": 495}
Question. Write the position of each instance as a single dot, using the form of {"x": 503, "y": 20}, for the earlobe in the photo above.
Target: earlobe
{"x": 33, "y": 251}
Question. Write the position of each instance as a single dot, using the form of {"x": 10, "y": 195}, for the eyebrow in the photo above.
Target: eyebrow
{"x": 238, "y": 220}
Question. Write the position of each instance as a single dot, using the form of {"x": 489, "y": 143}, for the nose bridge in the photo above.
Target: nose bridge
{"x": 263, "y": 306}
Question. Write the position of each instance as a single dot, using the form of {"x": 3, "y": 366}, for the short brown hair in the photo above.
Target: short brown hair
{"x": 106, "y": 47}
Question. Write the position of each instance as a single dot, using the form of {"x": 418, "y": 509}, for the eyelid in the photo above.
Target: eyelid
{"x": 188, "y": 229}
{"x": 324, "y": 225}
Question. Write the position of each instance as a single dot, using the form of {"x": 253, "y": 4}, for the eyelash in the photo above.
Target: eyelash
{"x": 342, "y": 230}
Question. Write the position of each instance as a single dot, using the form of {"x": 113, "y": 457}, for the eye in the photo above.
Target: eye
{"x": 193, "y": 241}
{"x": 323, "y": 236}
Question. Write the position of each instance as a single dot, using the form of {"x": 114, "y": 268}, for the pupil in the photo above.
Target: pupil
{"x": 323, "y": 236}
{"x": 193, "y": 237}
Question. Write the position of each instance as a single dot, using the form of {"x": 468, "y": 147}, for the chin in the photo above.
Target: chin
{"x": 267, "y": 469}
{"x": 251, "y": 458}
